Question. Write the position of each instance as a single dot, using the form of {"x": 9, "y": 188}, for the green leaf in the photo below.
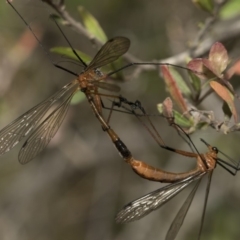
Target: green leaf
{"x": 230, "y": 9}
{"x": 77, "y": 98}
{"x": 173, "y": 88}
{"x": 92, "y": 24}
{"x": 58, "y": 19}
{"x": 227, "y": 111}
{"x": 179, "y": 119}
{"x": 182, "y": 121}
{"x": 206, "y": 5}
{"x": 180, "y": 82}
{"x": 196, "y": 82}
{"x": 67, "y": 51}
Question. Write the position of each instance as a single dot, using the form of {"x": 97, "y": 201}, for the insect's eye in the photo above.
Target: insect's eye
{"x": 215, "y": 149}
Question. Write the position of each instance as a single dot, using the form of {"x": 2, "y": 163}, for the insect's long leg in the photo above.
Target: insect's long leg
{"x": 39, "y": 42}
{"x": 137, "y": 105}
{"x": 141, "y": 168}
{"x": 66, "y": 39}
{"x": 235, "y": 163}
{"x": 148, "y": 63}
{"x": 110, "y": 52}
{"x": 159, "y": 140}
{"x": 153, "y": 132}
{"x": 225, "y": 164}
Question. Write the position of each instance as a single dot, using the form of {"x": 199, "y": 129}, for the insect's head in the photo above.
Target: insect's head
{"x": 212, "y": 149}
{"x": 98, "y": 72}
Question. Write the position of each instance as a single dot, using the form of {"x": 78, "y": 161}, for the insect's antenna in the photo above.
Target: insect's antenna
{"x": 40, "y": 43}
{"x": 225, "y": 155}
{"x": 208, "y": 145}
{"x": 224, "y": 163}
{"x": 73, "y": 50}
{"x": 155, "y": 64}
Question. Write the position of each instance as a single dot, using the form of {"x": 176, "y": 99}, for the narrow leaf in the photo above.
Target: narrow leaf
{"x": 173, "y": 89}
{"x": 196, "y": 82}
{"x": 67, "y": 51}
{"x": 92, "y": 24}
{"x": 206, "y": 5}
{"x": 226, "y": 95}
{"x": 179, "y": 119}
{"x": 180, "y": 82}
{"x": 230, "y": 9}
{"x": 167, "y": 108}
{"x": 227, "y": 111}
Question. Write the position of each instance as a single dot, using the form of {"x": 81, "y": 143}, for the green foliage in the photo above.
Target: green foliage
{"x": 206, "y": 5}
{"x": 67, "y": 52}
{"x": 230, "y": 10}
{"x": 92, "y": 25}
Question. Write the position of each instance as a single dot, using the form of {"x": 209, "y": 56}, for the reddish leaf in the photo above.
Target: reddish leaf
{"x": 218, "y": 56}
{"x": 173, "y": 88}
{"x": 211, "y": 67}
{"x": 226, "y": 95}
{"x": 168, "y": 108}
{"x": 196, "y": 65}
{"x": 235, "y": 69}
{"x": 214, "y": 65}
{"x": 199, "y": 69}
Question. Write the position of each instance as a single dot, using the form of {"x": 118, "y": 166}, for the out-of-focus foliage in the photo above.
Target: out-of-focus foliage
{"x": 92, "y": 25}
{"x": 74, "y": 189}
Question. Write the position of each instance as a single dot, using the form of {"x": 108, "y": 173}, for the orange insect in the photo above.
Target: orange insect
{"x": 42, "y": 125}
{"x": 205, "y": 164}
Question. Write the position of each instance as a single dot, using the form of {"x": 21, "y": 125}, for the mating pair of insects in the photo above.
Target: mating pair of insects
{"x": 41, "y": 126}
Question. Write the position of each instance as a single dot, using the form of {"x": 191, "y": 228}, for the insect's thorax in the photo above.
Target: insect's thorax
{"x": 87, "y": 79}
{"x": 207, "y": 161}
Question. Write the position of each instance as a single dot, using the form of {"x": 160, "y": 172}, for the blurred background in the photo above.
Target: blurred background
{"x": 76, "y": 186}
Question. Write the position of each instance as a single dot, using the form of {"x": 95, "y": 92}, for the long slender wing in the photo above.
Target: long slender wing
{"x": 178, "y": 220}
{"x": 205, "y": 202}
{"x": 146, "y": 204}
{"x": 107, "y": 86}
{"x": 110, "y": 51}
{"x": 13, "y": 133}
{"x": 44, "y": 132}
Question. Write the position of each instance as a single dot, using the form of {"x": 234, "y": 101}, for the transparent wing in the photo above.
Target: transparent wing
{"x": 13, "y": 133}
{"x": 205, "y": 203}
{"x": 178, "y": 220}
{"x": 44, "y": 132}
{"x": 107, "y": 86}
{"x": 110, "y": 51}
{"x": 146, "y": 204}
